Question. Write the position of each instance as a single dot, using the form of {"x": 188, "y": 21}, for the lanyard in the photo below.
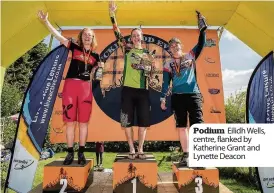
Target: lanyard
{"x": 86, "y": 59}
{"x": 177, "y": 66}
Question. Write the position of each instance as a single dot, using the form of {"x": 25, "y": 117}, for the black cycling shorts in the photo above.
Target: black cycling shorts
{"x": 135, "y": 100}
{"x": 191, "y": 104}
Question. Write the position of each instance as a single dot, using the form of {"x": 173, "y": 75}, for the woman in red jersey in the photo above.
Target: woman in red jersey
{"x": 77, "y": 92}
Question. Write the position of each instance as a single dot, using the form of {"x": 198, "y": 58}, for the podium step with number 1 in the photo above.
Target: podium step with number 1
{"x": 134, "y": 176}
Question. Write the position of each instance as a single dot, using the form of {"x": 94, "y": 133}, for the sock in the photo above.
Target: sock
{"x": 81, "y": 149}
{"x": 70, "y": 149}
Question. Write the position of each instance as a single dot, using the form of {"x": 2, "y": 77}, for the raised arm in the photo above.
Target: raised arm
{"x": 199, "y": 47}
{"x": 117, "y": 33}
{"x": 44, "y": 18}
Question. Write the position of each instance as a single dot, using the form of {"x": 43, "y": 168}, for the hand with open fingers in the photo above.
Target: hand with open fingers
{"x": 43, "y": 16}
{"x": 112, "y": 6}
{"x": 201, "y": 16}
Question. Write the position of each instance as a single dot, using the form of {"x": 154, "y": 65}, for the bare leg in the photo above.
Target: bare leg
{"x": 70, "y": 126}
{"x": 70, "y": 133}
{"x": 83, "y": 131}
{"x": 141, "y": 136}
{"x": 183, "y": 136}
{"x": 130, "y": 138}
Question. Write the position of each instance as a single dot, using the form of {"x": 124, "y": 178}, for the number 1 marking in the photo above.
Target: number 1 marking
{"x": 134, "y": 185}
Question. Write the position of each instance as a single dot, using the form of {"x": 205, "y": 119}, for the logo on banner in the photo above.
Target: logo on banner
{"x": 210, "y": 43}
{"x": 210, "y": 60}
{"x": 212, "y": 75}
{"x": 108, "y": 93}
{"x": 214, "y": 110}
{"x": 22, "y": 164}
{"x": 270, "y": 182}
{"x": 214, "y": 91}
{"x": 61, "y": 129}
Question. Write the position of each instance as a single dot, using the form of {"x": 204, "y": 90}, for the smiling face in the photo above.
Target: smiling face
{"x": 136, "y": 37}
{"x": 175, "y": 47}
{"x": 87, "y": 37}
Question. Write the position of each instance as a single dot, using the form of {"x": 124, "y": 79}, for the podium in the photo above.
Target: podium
{"x": 69, "y": 178}
{"x": 192, "y": 180}
{"x": 135, "y": 176}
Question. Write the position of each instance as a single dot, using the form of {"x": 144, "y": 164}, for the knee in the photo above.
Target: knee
{"x": 183, "y": 130}
{"x": 70, "y": 124}
{"x": 83, "y": 125}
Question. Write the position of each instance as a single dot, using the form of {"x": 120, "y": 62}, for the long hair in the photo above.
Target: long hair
{"x": 93, "y": 44}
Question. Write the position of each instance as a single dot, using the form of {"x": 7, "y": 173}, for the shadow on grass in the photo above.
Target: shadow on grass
{"x": 160, "y": 161}
{"x": 240, "y": 179}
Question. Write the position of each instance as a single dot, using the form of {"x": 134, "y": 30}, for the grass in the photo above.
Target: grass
{"x": 237, "y": 186}
{"x": 234, "y": 185}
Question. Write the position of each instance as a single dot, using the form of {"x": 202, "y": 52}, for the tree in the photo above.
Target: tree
{"x": 17, "y": 79}
{"x": 235, "y": 108}
{"x": 20, "y": 72}
{"x": 11, "y": 100}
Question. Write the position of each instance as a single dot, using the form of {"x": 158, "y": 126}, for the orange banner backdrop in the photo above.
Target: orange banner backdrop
{"x": 104, "y": 122}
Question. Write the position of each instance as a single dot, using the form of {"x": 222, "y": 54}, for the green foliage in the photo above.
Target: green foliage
{"x": 8, "y": 131}
{"x": 175, "y": 154}
{"x": 4, "y": 170}
{"x": 235, "y": 108}
{"x": 149, "y": 146}
{"x": 11, "y": 100}
{"x": 20, "y": 72}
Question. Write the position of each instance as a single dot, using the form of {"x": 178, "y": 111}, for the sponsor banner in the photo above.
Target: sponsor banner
{"x": 23, "y": 169}
{"x": 34, "y": 119}
{"x": 41, "y": 95}
{"x": 260, "y": 109}
{"x": 260, "y": 92}
{"x": 266, "y": 176}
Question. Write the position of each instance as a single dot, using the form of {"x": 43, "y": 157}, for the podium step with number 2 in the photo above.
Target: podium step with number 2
{"x": 66, "y": 178}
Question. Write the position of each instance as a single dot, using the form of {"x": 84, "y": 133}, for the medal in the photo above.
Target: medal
{"x": 86, "y": 59}
{"x": 177, "y": 67}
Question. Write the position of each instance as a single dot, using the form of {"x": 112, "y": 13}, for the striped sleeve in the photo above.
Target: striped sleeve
{"x": 117, "y": 33}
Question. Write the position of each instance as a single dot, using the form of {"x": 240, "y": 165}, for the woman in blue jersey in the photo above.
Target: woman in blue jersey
{"x": 186, "y": 97}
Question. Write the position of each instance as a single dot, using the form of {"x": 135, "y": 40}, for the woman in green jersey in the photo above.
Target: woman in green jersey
{"x": 135, "y": 94}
